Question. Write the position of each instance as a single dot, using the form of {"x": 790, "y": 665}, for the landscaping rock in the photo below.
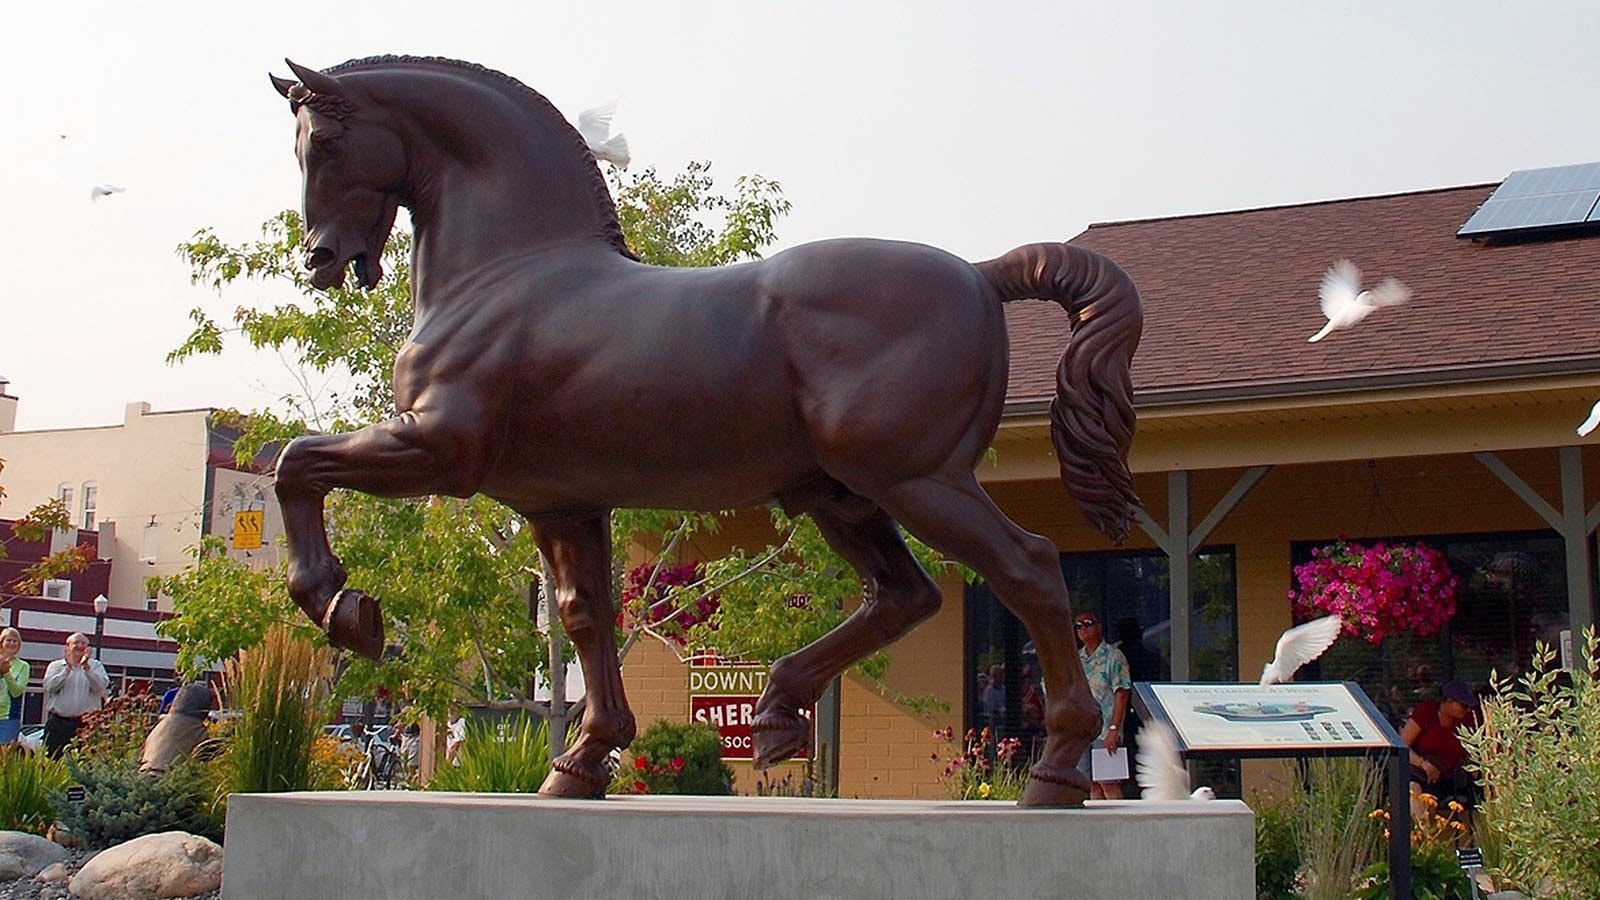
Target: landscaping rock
{"x": 22, "y": 855}
{"x": 152, "y": 867}
{"x": 54, "y": 873}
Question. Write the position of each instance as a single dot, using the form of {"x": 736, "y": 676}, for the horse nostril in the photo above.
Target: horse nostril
{"x": 319, "y": 257}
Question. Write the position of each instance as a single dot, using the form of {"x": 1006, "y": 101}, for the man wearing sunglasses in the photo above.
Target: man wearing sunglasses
{"x": 1107, "y": 672}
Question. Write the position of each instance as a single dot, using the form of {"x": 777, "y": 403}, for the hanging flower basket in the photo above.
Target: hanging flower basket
{"x": 655, "y": 608}
{"x": 1377, "y": 590}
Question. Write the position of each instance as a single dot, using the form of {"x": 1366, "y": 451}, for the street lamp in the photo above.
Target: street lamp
{"x": 100, "y": 606}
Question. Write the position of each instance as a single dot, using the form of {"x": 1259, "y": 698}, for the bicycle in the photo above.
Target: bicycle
{"x": 382, "y": 761}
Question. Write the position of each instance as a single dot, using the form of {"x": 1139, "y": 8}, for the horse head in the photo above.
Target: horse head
{"x": 353, "y": 167}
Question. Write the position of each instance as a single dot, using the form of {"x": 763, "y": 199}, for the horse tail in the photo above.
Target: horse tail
{"x": 1091, "y": 416}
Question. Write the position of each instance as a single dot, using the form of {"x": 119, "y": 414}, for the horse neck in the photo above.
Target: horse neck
{"x": 489, "y": 178}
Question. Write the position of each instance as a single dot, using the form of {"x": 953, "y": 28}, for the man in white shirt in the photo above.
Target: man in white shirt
{"x": 73, "y": 685}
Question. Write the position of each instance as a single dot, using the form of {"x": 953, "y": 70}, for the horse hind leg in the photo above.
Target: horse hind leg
{"x": 955, "y": 516}
{"x": 897, "y": 595}
{"x": 579, "y": 554}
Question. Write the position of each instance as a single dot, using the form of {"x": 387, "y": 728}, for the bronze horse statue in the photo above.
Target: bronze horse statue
{"x": 858, "y": 381}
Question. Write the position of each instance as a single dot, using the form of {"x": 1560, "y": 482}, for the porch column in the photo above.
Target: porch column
{"x": 1572, "y": 522}
{"x": 1180, "y": 544}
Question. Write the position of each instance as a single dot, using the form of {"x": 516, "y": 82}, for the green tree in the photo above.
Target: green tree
{"x": 454, "y": 575}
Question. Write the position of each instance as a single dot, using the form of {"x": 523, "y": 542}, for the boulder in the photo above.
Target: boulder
{"x": 22, "y": 855}
{"x": 54, "y": 873}
{"x": 152, "y": 867}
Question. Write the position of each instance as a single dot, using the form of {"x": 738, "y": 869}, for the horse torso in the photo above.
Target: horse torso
{"x": 604, "y": 382}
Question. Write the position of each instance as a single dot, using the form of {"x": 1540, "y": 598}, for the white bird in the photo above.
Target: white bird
{"x": 104, "y": 190}
{"x": 1298, "y": 646}
{"x": 1345, "y": 304}
{"x": 595, "y": 126}
{"x": 1589, "y": 423}
{"x": 1160, "y": 769}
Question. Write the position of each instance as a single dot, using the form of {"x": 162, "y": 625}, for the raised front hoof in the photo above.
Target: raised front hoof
{"x": 777, "y": 736}
{"x": 353, "y": 622}
{"x": 572, "y": 781}
{"x": 1050, "y": 785}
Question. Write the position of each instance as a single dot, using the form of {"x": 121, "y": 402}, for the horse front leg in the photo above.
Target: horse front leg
{"x": 579, "y": 553}
{"x": 407, "y": 456}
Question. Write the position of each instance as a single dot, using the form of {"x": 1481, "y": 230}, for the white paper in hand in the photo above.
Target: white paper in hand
{"x": 1108, "y": 766}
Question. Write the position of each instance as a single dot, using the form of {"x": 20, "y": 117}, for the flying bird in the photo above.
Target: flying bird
{"x": 104, "y": 190}
{"x": 1298, "y": 646}
{"x": 1589, "y": 423}
{"x": 1345, "y": 304}
{"x": 1160, "y": 769}
{"x": 595, "y": 126}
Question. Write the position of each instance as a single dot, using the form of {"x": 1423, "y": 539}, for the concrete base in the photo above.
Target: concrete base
{"x": 399, "y": 844}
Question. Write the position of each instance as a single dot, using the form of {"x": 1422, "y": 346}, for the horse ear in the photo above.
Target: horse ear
{"x": 283, "y": 85}
{"x": 315, "y": 81}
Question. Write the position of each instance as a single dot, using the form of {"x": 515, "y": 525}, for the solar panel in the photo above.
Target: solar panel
{"x": 1539, "y": 199}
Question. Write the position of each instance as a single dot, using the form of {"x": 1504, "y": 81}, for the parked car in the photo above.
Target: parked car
{"x": 32, "y": 738}
{"x": 341, "y": 731}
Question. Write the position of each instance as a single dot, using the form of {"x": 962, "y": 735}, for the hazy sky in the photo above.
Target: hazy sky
{"x": 972, "y": 130}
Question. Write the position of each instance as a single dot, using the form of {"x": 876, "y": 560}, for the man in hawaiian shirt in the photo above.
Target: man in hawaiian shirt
{"x": 1107, "y": 672}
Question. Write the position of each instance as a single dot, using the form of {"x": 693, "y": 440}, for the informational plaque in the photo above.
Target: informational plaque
{"x": 1277, "y": 720}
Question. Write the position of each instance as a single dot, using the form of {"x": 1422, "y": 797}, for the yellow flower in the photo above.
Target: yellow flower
{"x": 984, "y": 790}
{"x": 1455, "y": 806}
{"x": 1377, "y": 814}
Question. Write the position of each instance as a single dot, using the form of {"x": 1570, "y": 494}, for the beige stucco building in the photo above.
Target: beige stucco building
{"x": 151, "y": 485}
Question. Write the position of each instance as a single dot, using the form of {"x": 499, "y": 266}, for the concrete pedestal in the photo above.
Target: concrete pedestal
{"x": 399, "y": 845}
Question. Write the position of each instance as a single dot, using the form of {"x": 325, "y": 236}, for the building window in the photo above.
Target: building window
{"x": 1129, "y": 593}
{"x": 1512, "y": 594}
{"x": 91, "y": 498}
{"x": 57, "y": 589}
{"x": 64, "y": 493}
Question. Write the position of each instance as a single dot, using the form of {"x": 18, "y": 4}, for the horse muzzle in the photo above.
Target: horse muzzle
{"x": 328, "y": 268}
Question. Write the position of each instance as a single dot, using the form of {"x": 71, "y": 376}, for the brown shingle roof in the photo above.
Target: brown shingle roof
{"x": 1230, "y": 298}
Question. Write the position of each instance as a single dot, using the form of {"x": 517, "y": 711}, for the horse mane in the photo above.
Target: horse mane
{"x": 537, "y": 103}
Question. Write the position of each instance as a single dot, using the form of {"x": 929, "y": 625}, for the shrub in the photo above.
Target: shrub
{"x": 120, "y": 803}
{"x": 29, "y": 783}
{"x": 280, "y": 689}
{"x": 507, "y": 757}
{"x": 1277, "y": 855}
{"x": 672, "y": 758}
{"x": 1435, "y": 873}
{"x": 117, "y": 729}
{"x": 1537, "y": 755}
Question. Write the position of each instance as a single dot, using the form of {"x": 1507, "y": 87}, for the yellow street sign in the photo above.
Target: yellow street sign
{"x": 247, "y": 529}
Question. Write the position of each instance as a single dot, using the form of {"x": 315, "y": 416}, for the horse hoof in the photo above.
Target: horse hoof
{"x": 353, "y": 622}
{"x": 569, "y": 780}
{"x": 1051, "y": 785}
{"x": 779, "y": 736}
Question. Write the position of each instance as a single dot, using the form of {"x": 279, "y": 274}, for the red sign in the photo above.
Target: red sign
{"x": 725, "y": 696}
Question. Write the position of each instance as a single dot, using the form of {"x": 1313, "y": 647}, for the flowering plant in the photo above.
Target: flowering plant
{"x": 983, "y": 769}
{"x": 649, "y": 598}
{"x": 1378, "y": 589}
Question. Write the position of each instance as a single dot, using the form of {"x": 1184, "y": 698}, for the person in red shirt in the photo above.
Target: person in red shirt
{"x": 1436, "y": 752}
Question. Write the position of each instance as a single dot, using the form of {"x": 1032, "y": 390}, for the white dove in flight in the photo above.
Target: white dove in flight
{"x": 595, "y": 126}
{"x": 104, "y": 190}
{"x": 1345, "y": 304}
{"x": 1160, "y": 769}
{"x": 1589, "y": 423}
{"x": 1298, "y": 646}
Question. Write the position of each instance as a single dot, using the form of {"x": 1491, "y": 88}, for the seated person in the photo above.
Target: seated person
{"x": 1436, "y": 752}
{"x": 176, "y": 735}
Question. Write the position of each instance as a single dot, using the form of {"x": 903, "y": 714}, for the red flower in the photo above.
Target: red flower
{"x": 641, "y": 762}
{"x": 677, "y": 764}
{"x": 639, "y": 787}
